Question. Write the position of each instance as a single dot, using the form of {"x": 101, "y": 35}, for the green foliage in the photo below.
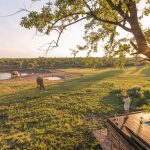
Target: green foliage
{"x": 136, "y": 91}
{"x": 146, "y": 108}
{"x": 51, "y": 63}
{"x": 103, "y": 20}
{"x": 147, "y": 93}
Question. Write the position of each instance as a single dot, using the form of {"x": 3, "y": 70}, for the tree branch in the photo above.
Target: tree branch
{"x": 133, "y": 45}
{"x": 21, "y": 10}
{"x": 104, "y": 20}
{"x": 117, "y": 8}
{"x": 66, "y": 16}
{"x": 74, "y": 22}
{"x": 55, "y": 42}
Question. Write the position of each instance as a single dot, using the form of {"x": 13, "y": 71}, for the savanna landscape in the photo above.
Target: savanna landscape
{"x": 65, "y": 114}
{"x": 74, "y": 75}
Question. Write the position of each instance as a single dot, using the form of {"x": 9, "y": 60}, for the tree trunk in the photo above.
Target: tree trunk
{"x": 142, "y": 46}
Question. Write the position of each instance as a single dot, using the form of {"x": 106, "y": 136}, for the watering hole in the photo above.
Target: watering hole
{"x": 5, "y": 76}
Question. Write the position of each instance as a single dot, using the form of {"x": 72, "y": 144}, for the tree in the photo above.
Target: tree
{"x": 103, "y": 20}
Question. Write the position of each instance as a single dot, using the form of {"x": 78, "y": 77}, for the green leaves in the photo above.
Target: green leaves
{"x": 103, "y": 17}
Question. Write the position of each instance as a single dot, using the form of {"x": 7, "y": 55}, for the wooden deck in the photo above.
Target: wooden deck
{"x": 134, "y": 123}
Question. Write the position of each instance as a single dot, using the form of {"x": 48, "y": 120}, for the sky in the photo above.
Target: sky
{"x": 16, "y": 41}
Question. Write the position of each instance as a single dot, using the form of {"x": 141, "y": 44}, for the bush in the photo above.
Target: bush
{"x": 147, "y": 93}
{"x": 136, "y": 91}
{"x": 146, "y": 108}
{"x": 138, "y": 102}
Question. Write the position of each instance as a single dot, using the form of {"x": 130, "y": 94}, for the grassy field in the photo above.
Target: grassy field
{"x": 64, "y": 115}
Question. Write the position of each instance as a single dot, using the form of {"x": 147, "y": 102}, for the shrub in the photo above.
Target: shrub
{"x": 147, "y": 93}
{"x": 136, "y": 91}
{"x": 146, "y": 108}
{"x": 138, "y": 102}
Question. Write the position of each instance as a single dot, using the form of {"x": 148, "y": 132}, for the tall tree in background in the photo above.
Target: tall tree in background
{"x": 104, "y": 21}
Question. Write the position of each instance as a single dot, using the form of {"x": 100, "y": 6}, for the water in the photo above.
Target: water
{"x": 52, "y": 78}
{"x": 148, "y": 123}
{"x": 4, "y": 76}
{"x": 24, "y": 74}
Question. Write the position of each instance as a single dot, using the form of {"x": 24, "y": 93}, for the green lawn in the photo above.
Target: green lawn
{"x": 64, "y": 115}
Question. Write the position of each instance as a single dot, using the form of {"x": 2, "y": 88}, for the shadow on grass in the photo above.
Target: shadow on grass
{"x": 113, "y": 104}
{"x": 86, "y": 81}
{"x": 146, "y": 72}
{"x": 67, "y": 86}
{"x": 135, "y": 70}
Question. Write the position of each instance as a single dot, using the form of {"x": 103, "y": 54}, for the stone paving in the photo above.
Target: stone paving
{"x": 102, "y": 137}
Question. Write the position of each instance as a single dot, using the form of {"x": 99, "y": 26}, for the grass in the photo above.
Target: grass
{"x": 65, "y": 114}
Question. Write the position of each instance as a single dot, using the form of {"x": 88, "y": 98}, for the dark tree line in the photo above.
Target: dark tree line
{"x": 57, "y": 63}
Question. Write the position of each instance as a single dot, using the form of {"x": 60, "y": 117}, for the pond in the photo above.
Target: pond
{"x": 5, "y": 75}
{"x": 148, "y": 123}
{"x": 52, "y": 78}
{"x": 24, "y": 74}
